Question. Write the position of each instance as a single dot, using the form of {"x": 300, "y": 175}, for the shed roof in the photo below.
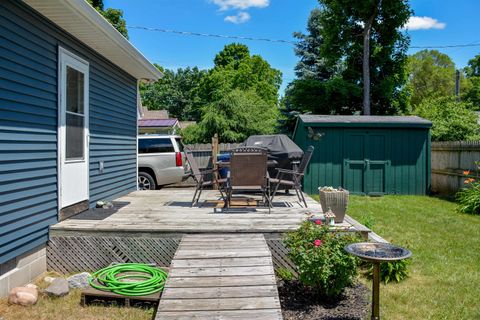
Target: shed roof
{"x": 82, "y": 21}
{"x": 157, "y": 122}
{"x": 366, "y": 121}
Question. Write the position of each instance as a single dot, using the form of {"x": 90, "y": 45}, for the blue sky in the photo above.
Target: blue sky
{"x": 442, "y": 22}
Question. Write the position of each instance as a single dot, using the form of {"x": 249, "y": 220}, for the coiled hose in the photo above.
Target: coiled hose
{"x": 124, "y": 279}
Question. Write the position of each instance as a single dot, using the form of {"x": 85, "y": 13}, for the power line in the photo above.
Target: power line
{"x": 447, "y": 46}
{"x": 188, "y": 33}
{"x": 222, "y": 36}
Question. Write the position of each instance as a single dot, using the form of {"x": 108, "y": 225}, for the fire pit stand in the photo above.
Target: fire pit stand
{"x": 376, "y": 253}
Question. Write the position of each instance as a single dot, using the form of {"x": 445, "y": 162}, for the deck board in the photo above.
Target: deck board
{"x": 216, "y": 280}
{"x": 168, "y": 211}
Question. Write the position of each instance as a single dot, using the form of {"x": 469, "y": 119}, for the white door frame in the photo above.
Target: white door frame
{"x": 67, "y": 58}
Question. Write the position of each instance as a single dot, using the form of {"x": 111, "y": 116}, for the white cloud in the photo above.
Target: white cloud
{"x": 240, "y": 17}
{"x": 423, "y": 23}
{"x": 240, "y": 4}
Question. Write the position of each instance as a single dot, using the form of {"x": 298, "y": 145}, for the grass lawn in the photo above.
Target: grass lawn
{"x": 444, "y": 280}
{"x": 68, "y": 307}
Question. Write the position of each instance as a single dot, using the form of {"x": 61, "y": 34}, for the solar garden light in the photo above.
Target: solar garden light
{"x": 329, "y": 217}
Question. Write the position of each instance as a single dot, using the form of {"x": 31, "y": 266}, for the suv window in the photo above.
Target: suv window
{"x": 155, "y": 145}
{"x": 179, "y": 144}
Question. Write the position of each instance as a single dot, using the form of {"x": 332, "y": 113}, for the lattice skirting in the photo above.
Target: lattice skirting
{"x": 70, "y": 254}
{"x": 280, "y": 256}
{"x": 87, "y": 253}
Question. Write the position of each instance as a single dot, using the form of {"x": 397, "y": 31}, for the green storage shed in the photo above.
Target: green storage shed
{"x": 371, "y": 155}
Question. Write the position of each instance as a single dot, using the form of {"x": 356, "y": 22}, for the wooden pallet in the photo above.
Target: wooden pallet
{"x": 93, "y": 296}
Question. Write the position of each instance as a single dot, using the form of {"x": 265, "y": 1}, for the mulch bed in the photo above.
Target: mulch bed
{"x": 299, "y": 303}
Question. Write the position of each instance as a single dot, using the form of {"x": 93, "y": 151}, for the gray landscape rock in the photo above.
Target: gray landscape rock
{"x": 23, "y": 296}
{"x": 58, "y": 288}
{"x": 79, "y": 280}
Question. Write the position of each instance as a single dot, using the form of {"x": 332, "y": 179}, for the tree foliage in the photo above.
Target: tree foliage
{"x": 234, "y": 118}
{"x": 235, "y": 68}
{"x": 431, "y": 74}
{"x": 472, "y": 87}
{"x": 177, "y": 91}
{"x": 114, "y": 16}
{"x": 239, "y": 96}
{"x": 452, "y": 120}
{"x": 331, "y": 58}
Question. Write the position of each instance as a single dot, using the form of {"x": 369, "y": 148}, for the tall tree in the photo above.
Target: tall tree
{"x": 236, "y": 116}
{"x": 472, "y": 85}
{"x": 114, "y": 16}
{"x": 236, "y": 68}
{"x": 431, "y": 74}
{"x": 239, "y": 96}
{"x": 353, "y": 47}
{"x": 177, "y": 91}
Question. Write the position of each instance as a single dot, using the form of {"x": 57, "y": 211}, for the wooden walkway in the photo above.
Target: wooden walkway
{"x": 221, "y": 276}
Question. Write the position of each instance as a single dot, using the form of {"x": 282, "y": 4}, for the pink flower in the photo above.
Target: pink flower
{"x": 317, "y": 243}
{"x": 318, "y": 222}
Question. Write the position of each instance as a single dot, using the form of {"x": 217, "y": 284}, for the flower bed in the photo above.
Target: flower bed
{"x": 300, "y": 303}
{"x": 326, "y": 286}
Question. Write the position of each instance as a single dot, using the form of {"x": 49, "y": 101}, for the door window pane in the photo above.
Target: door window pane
{"x": 74, "y": 136}
{"x": 155, "y": 145}
{"x": 75, "y": 83}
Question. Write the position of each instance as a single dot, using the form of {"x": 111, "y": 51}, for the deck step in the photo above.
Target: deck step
{"x": 221, "y": 276}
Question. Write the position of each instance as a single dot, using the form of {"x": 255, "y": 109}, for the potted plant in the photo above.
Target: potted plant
{"x": 336, "y": 199}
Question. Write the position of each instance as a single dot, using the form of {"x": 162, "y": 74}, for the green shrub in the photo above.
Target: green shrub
{"x": 452, "y": 120}
{"x": 392, "y": 271}
{"x": 469, "y": 198}
{"x": 284, "y": 274}
{"x": 323, "y": 264}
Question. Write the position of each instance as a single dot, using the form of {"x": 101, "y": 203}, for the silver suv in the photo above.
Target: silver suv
{"x": 160, "y": 161}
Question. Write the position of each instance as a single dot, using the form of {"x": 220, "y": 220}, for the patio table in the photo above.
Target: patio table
{"x": 270, "y": 163}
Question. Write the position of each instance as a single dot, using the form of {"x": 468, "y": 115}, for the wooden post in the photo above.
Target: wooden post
{"x": 457, "y": 84}
{"x": 214, "y": 160}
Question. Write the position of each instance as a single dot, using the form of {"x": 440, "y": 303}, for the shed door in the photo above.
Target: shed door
{"x": 365, "y": 162}
{"x": 73, "y": 129}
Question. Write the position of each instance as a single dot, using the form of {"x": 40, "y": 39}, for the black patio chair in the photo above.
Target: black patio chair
{"x": 295, "y": 179}
{"x": 204, "y": 178}
{"x": 248, "y": 172}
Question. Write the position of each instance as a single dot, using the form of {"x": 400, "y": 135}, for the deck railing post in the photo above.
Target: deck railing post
{"x": 214, "y": 160}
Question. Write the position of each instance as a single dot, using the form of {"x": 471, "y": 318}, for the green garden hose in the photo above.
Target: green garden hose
{"x": 129, "y": 279}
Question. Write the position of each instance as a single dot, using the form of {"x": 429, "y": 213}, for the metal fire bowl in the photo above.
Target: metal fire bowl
{"x": 377, "y": 251}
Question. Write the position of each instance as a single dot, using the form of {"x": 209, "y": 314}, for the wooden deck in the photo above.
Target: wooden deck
{"x": 221, "y": 276}
{"x": 168, "y": 211}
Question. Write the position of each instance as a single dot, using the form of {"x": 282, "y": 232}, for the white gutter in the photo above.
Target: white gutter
{"x": 135, "y": 63}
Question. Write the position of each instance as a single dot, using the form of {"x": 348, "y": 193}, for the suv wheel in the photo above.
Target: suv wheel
{"x": 146, "y": 181}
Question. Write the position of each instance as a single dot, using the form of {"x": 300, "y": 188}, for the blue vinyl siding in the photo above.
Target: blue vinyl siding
{"x": 28, "y": 127}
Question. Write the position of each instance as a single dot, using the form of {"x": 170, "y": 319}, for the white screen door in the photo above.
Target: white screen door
{"x": 73, "y": 129}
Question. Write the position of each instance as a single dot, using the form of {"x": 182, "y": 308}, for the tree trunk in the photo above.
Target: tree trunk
{"x": 366, "y": 69}
{"x": 366, "y": 61}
